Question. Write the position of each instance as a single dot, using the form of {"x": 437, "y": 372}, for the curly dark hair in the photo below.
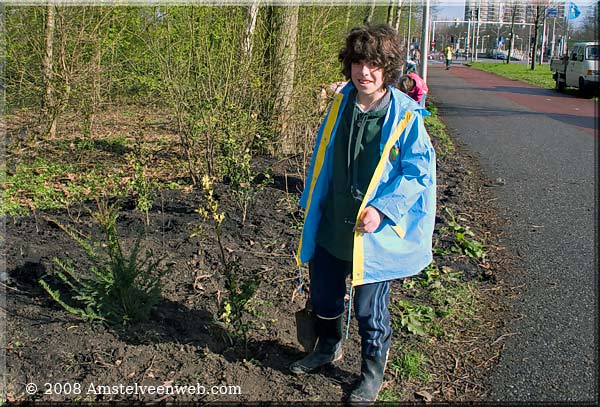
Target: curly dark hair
{"x": 378, "y": 44}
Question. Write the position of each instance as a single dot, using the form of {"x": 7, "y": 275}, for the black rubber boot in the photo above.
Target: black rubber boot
{"x": 371, "y": 379}
{"x": 328, "y": 348}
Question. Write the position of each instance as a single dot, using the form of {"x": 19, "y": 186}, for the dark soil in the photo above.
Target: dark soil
{"x": 182, "y": 344}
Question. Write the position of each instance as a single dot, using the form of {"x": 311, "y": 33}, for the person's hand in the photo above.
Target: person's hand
{"x": 369, "y": 220}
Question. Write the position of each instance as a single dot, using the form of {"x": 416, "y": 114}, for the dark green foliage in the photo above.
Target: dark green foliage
{"x": 234, "y": 311}
{"x": 463, "y": 235}
{"x": 119, "y": 288}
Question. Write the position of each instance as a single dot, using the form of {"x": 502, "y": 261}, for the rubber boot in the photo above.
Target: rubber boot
{"x": 328, "y": 348}
{"x": 371, "y": 379}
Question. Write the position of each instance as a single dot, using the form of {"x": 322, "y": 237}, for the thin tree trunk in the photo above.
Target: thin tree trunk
{"x": 398, "y": 14}
{"x": 371, "y": 13}
{"x": 348, "y": 11}
{"x": 512, "y": 32}
{"x": 286, "y": 60}
{"x": 390, "y": 13}
{"x": 535, "y": 35}
{"x": 49, "y": 108}
{"x": 249, "y": 30}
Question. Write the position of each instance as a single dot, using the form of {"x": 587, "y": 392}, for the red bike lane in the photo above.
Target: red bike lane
{"x": 576, "y": 111}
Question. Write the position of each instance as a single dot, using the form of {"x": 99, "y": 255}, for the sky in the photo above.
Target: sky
{"x": 450, "y": 9}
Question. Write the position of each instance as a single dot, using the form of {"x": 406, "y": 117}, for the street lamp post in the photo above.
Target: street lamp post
{"x": 498, "y": 40}
{"x": 478, "y": 25}
{"x": 529, "y": 53}
{"x": 467, "y": 44}
{"x": 425, "y": 39}
{"x": 484, "y": 42}
{"x": 521, "y": 47}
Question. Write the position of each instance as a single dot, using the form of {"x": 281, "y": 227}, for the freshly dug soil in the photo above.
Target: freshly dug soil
{"x": 181, "y": 343}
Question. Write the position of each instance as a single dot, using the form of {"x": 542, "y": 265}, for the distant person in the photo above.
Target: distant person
{"x": 448, "y": 54}
{"x": 415, "y": 87}
{"x": 416, "y": 55}
{"x": 410, "y": 66}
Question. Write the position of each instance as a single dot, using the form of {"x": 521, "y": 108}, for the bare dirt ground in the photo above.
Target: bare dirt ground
{"x": 182, "y": 343}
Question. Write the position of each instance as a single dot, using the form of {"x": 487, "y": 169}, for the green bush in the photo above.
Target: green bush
{"x": 120, "y": 289}
{"x": 235, "y": 311}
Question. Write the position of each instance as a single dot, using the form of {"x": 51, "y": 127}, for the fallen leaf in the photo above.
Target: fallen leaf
{"x": 425, "y": 395}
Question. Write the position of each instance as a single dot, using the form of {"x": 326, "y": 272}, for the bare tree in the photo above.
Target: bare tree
{"x": 390, "y": 12}
{"x": 539, "y": 12}
{"x": 398, "y": 14}
{"x": 49, "y": 108}
{"x": 348, "y": 12}
{"x": 588, "y": 30}
{"x": 287, "y": 53}
{"x": 249, "y": 29}
{"x": 514, "y": 6}
{"x": 369, "y": 16}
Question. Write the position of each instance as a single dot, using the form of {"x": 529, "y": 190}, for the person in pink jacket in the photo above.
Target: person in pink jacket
{"x": 414, "y": 86}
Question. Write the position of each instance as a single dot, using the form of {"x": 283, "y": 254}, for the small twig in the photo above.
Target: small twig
{"x": 285, "y": 279}
{"x": 490, "y": 289}
{"x": 12, "y": 288}
{"x": 262, "y": 254}
{"x": 503, "y": 336}
{"x": 263, "y": 271}
{"x": 487, "y": 361}
{"x": 148, "y": 368}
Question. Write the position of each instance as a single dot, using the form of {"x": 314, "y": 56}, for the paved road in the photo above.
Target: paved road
{"x": 543, "y": 145}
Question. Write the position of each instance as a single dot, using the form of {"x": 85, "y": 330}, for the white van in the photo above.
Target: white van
{"x": 580, "y": 68}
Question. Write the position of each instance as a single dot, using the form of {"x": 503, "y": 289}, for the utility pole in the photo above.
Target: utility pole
{"x": 543, "y": 37}
{"x": 529, "y": 53}
{"x": 478, "y": 25}
{"x": 565, "y": 45}
{"x": 425, "y": 40}
{"x": 553, "y": 42}
{"x": 408, "y": 33}
{"x": 468, "y": 40}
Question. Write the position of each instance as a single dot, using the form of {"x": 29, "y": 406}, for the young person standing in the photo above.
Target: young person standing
{"x": 369, "y": 204}
{"x": 448, "y": 54}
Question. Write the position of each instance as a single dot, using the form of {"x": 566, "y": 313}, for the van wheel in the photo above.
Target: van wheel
{"x": 583, "y": 90}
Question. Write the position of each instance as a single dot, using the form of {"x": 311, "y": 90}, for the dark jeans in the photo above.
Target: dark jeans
{"x": 327, "y": 291}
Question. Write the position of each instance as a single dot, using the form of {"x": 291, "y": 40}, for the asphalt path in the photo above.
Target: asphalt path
{"x": 540, "y": 146}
